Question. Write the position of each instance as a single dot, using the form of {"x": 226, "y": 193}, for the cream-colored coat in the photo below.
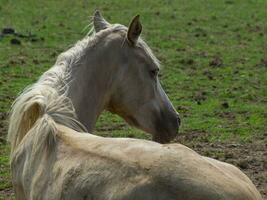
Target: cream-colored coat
{"x": 84, "y": 166}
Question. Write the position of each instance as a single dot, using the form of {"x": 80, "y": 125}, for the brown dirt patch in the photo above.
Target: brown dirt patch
{"x": 7, "y": 194}
{"x": 216, "y": 62}
{"x": 3, "y": 125}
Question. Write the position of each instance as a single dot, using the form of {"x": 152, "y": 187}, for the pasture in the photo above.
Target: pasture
{"x": 214, "y": 69}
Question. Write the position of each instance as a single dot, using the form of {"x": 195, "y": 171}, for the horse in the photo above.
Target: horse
{"x": 54, "y": 157}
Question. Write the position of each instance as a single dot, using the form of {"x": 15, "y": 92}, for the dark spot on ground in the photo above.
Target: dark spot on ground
{"x": 35, "y": 61}
{"x": 216, "y": 62}
{"x": 202, "y": 54}
{"x": 229, "y": 2}
{"x": 200, "y": 96}
{"x": 15, "y": 41}
{"x": 54, "y": 54}
{"x": 3, "y": 125}
{"x": 180, "y": 49}
{"x": 225, "y": 104}
{"x": 20, "y": 60}
{"x": 243, "y": 164}
{"x": 236, "y": 72}
{"x": 226, "y": 115}
{"x": 214, "y": 17}
{"x": 183, "y": 109}
{"x": 61, "y": 24}
{"x": 33, "y": 39}
{"x": 111, "y": 128}
{"x": 254, "y": 28}
{"x": 186, "y": 61}
{"x": 131, "y": 135}
{"x": 29, "y": 37}
{"x": 6, "y": 31}
{"x": 236, "y": 30}
{"x": 200, "y": 32}
{"x": 228, "y": 155}
{"x": 208, "y": 74}
{"x": 157, "y": 13}
{"x": 262, "y": 63}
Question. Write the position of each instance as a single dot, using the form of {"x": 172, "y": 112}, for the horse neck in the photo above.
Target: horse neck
{"x": 90, "y": 87}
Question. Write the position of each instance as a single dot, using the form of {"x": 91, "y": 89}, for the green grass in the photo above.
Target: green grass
{"x": 227, "y": 102}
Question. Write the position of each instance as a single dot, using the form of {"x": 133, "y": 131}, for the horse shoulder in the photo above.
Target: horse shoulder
{"x": 89, "y": 166}
{"x": 245, "y": 185}
{"x": 192, "y": 176}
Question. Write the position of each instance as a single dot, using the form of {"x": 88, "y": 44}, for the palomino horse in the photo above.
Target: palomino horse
{"x": 52, "y": 157}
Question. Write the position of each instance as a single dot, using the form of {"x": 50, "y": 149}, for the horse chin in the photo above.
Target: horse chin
{"x": 159, "y": 134}
{"x": 166, "y": 127}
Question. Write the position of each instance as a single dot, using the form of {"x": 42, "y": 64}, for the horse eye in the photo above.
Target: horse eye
{"x": 154, "y": 72}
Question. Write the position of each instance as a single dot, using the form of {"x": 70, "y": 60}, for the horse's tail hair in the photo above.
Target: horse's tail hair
{"x": 39, "y": 108}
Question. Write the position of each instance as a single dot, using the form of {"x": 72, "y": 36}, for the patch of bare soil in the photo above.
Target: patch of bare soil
{"x": 216, "y": 62}
{"x": 3, "y": 125}
{"x": 251, "y": 158}
{"x": 16, "y": 37}
{"x": 111, "y": 128}
{"x": 6, "y": 194}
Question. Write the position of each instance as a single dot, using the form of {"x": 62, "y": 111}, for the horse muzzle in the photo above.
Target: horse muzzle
{"x": 166, "y": 128}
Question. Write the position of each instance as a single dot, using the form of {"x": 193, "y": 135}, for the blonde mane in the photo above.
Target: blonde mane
{"x": 45, "y": 102}
{"x": 46, "y": 99}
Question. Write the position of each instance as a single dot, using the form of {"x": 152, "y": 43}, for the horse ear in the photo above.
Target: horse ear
{"x": 134, "y": 30}
{"x": 99, "y": 22}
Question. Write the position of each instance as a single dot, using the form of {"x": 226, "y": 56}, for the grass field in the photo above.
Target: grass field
{"x": 214, "y": 58}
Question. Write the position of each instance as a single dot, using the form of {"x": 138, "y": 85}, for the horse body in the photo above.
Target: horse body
{"x": 52, "y": 156}
{"x": 84, "y": 166}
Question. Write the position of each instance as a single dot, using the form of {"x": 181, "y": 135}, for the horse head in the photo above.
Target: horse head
{"x": 136, "y": 93}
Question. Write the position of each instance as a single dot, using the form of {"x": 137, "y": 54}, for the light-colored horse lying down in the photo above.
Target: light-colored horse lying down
{"x": 52, "y": 156}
